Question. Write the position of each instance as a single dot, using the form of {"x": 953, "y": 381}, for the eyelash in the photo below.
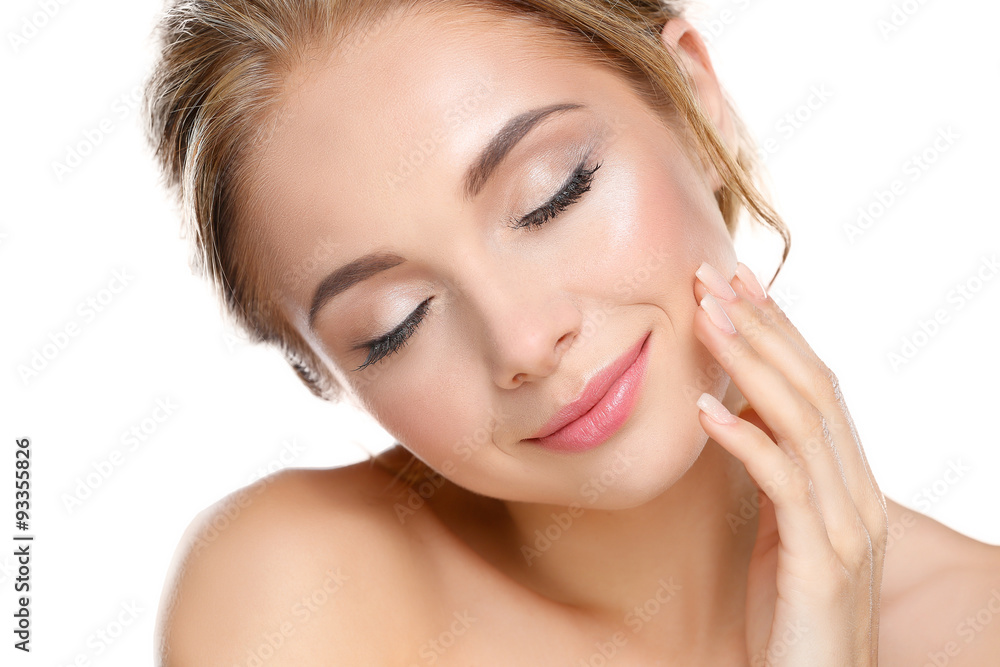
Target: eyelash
{"x": 390, "y": 343}
{"x": 579, "y": 183}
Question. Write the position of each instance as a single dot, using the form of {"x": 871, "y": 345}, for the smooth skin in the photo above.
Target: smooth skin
{"x": 817, "y": 565}
{"x": 637, "y": 552}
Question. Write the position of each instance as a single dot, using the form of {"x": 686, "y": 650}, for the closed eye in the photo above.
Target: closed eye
{"x": 383, "y": 346}
{"x": 578, "y": 183}
{"x": 575, "y": 186}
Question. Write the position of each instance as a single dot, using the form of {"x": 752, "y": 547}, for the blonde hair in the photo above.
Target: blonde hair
{"x": 217, "y": 84}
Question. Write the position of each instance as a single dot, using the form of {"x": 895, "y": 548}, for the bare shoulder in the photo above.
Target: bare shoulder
{"x": 303, "y": 567}
{"x": 940, "y": 595}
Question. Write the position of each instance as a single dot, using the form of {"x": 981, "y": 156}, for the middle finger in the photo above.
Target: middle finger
{"x": 779, "y": 379}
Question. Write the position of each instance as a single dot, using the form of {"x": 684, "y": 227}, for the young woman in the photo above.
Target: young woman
{"x": 505, "y": 230}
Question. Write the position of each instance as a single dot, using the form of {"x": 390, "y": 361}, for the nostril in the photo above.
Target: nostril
{"x": 565, "y": 340}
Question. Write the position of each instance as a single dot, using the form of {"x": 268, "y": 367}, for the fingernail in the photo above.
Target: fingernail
{"x": 715, "y": 410}
{"x": 715, "y": 282}
{"x": 750, "y": 281}
{"x": 717, "y": 314}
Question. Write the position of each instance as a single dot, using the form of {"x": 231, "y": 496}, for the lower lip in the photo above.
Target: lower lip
{"x": 604, "y": 419}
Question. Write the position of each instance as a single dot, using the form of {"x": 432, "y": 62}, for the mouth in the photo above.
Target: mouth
{"x": 602, "y": 408}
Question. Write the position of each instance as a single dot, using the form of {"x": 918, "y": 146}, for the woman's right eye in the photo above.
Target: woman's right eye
{"x": 381, "y": 347}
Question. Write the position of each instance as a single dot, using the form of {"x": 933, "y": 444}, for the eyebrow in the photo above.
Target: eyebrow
{"x": 348, "y": 275}
{"x": 503, "y": 142}
{"x": 475, "y": 179}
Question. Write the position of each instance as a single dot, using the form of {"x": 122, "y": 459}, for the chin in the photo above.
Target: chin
{"x": 658, "y": 456}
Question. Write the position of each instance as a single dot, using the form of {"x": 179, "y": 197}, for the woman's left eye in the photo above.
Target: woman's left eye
{"x": 571, "y": 192}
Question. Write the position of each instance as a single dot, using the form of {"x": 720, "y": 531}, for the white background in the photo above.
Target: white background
{"x": 240, "y": 410}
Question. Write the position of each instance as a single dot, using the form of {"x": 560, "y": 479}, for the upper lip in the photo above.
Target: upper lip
{"x": 594, "y": 391}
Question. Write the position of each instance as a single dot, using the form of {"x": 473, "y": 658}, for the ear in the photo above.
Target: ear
{"x": 683, "y": 40}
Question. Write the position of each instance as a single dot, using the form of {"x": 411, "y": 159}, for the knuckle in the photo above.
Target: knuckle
{"x": 777, "y": 315}
{"x": 757, "y": 323}
{"x": 861, "y": 555}
{"x": 821, "y": 429}
{"x": 800, "y": 488}
{"x": 815, "y": 429}
{"x": 847, "y": 531}
{"x": 857, "y": 548}
{"x": 826, "y": 384}
{"x": 841, "y": 582}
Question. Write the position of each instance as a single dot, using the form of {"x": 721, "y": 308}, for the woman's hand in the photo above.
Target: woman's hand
{"x": 816, "y": 569}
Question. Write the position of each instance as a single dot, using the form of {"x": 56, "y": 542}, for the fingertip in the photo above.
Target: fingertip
{"x": 715, "y": 410}
{"x": 751, "y": 284}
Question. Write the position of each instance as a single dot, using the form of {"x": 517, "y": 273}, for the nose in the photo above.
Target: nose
{"x": 530, "y": 329}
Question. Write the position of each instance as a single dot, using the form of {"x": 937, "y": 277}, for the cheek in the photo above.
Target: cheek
{"x": 435, "y": 408}
{"x": 654, "y": 225}
{"x": 666, "y": 223}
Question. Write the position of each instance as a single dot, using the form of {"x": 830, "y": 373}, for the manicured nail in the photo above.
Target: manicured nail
{"x": 715, "y": 282}
{"x": 717, "y": 314}
{"x": 750, "y": 281}
{"x": 715, "y": 410}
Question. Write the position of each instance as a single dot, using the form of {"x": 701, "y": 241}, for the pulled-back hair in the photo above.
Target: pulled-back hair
{"x": 222, "y": 68}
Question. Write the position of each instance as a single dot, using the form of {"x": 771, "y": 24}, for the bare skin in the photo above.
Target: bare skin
{"x": 321, "y": 567}
{"x": 396, "y": 586}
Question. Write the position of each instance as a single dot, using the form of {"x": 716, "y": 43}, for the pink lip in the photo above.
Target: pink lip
{"x": 602, "y": 408}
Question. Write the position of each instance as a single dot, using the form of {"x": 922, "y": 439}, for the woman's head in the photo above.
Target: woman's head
{"x": 304, "y": 136}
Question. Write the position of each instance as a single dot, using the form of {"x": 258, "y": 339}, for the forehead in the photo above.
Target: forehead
{"x": 369, "y": 141}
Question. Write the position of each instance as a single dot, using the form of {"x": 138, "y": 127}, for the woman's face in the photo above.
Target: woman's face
{"x": 371, "y": 155}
